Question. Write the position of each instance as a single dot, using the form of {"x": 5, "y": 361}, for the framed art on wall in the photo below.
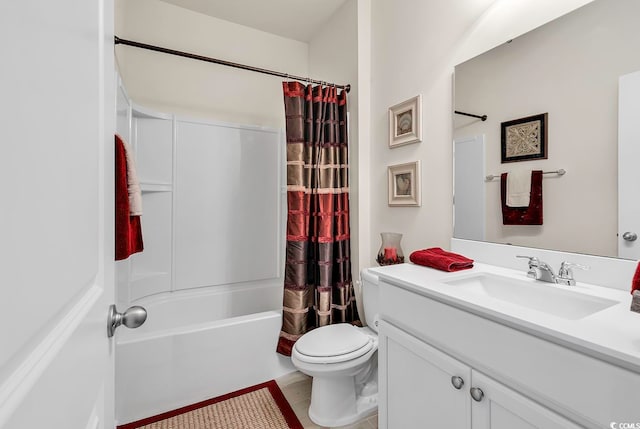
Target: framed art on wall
{"x": 404, "y": 184}
{"x": 524, "y": 139}
{"x": 405, "y": 122}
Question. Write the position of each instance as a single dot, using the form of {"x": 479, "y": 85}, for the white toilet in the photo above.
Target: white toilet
{"x": 343, "y": 361}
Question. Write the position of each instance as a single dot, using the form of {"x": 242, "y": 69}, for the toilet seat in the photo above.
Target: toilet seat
{"x": 332, "y": 344}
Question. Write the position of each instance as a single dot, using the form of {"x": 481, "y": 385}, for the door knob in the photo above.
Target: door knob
{"x": 457, "y": 382}
{"x": 476, "y": 393}
{"x": 132, "y": 318}
{"x": 630, "y": 236}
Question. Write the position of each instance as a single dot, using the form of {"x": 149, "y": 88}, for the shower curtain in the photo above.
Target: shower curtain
{"x": 318, "y": 288}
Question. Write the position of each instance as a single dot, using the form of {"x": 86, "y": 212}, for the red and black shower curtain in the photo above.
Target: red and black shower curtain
{"x": 318, "y": 288}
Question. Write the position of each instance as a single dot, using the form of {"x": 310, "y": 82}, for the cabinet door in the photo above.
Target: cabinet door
{"x": 503, "y": 408}
{"x": 416, "y": 388}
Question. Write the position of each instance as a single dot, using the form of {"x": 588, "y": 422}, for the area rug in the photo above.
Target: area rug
{"x": 257, "y": 407}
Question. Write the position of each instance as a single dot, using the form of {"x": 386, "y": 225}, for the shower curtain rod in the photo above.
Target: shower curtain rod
{"x": 483, "y": 117}
{"x": 119, "y": 41}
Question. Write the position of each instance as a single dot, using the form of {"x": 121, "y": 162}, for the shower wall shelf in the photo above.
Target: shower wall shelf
{"x": 156, "y": 187}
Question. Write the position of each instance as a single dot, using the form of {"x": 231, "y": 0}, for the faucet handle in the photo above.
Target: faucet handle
{"x": 565, "y": 274}
{"x": 533, "y": 261}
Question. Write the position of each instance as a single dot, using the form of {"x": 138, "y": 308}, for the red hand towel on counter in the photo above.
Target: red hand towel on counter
{"x": 128, "y": 230}
{"x": 531, "y": 215}
{"x": 439, "y": 259}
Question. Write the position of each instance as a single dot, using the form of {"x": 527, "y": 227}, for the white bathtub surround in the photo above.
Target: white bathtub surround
{"x": 213, "y": 315}
{"x": 191, "y": 349}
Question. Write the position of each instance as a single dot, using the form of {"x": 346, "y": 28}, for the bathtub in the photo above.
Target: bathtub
{"x": 195, "y": 345}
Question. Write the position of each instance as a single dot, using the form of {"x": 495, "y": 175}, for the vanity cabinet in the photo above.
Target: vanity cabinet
{"x": 502, "y": 408}
{"x": 425, "y": 388}
{"x": 418, "y": 384}
{"x": 526, "y": 381}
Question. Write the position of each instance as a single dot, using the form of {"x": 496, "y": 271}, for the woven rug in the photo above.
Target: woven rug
{"x": 257, "y": 407}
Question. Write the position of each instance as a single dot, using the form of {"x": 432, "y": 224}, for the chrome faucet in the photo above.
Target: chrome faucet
{"x": 539, "y": 270}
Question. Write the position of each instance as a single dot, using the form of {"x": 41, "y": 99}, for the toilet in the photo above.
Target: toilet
{"x": 343, "y": 361}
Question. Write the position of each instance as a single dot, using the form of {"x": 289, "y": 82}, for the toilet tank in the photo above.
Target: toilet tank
{"x": 370, "y": 298}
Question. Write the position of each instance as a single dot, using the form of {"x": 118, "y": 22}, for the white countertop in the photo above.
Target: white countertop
{"x": 612, "y": 334}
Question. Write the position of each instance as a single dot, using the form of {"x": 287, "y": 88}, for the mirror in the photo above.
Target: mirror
{"x": 569, "y": 70}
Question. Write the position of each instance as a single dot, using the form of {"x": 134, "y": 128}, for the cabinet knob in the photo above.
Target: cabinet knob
{"x": 476, "y": 393}
{"x": 457, "y": 382}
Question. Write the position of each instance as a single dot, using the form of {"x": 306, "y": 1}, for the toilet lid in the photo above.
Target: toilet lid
{"x": 334, "y": 340}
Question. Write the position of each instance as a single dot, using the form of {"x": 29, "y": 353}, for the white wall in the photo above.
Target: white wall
{"x": 535, "y": 74}
{"x": 187, "y": 87}
{"x": 333, "y": 57}
{"x": 415, "y": 45}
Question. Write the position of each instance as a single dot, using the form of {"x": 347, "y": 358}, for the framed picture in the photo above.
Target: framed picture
{"x": 405, "y": 122}
{"x": 404, "y": 184}
{"x": 524, "y": 139}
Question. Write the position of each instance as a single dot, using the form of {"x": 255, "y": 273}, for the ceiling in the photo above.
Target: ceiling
{"x": 294, "y": 19}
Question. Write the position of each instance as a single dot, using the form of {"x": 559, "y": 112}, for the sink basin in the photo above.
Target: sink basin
{"x": 544, "y": 297}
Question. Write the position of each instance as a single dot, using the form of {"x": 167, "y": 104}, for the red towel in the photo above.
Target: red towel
{"x": 635, "y": 283}
{"x": 531, "y": 215}
{"x": 440, "y": 259}
{"x": 128, "y": 233}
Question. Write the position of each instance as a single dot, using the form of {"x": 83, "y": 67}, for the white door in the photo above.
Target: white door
{"x": 498, "y": 407}
{"x": 56, "y": 214}
{"x": 628, "y": 170}
{"x": 469, "y": 188}
{"x": 420, "y": 386}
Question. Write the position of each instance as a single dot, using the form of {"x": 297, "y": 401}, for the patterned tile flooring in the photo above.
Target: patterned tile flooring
{"x": 297, "y": 389}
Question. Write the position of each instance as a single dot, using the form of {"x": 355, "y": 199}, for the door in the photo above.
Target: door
{"x": 56, "y": 214}
{"x": 495, "y": 406}
{"x": 628, "y": 171}
{"x": 469, "y": 188}
{"x": 420, "y": 386}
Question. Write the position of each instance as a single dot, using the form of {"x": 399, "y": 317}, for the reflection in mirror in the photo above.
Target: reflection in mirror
{"x": 568, "y": 69}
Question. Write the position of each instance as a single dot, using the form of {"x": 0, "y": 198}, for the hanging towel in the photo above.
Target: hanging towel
{"x": 439, "y": 259}
{"x": 530, "y": 215}
{"x": 133, "y": 185}
{"x": 128, "y": 229}
{"x": 518, "y": 188}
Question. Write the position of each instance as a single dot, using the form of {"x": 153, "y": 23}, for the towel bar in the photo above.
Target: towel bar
{"x": 559, "y": 172}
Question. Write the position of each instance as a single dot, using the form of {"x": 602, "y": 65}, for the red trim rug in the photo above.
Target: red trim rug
{"x": 262, "y": 406}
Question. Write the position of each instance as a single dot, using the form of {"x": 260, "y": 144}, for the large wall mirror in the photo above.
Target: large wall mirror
{"x": 569, "y": 69}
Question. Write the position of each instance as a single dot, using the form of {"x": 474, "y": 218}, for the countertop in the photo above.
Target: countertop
{"x": 611, "y": 334}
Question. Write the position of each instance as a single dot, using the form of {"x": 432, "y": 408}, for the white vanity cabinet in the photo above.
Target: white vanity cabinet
{"x": 526, "y": 381}
{"x": 417, "y": 384}
{"x": 425, "y": 388}
{"x": 499, "y": 407}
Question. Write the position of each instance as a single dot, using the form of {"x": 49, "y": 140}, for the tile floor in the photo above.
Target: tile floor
{"x": 297, "y": 389}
